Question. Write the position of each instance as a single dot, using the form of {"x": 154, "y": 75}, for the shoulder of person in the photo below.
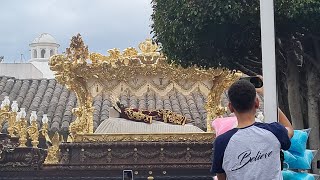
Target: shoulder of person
{"x": 277, "y": 125}
{"x": 282, "y": 134}
{"x": 273, "y": 125}
{"x": 225, "y": 137}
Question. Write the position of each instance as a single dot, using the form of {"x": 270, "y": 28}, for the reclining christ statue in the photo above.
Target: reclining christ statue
{"x": 130, "y": 120}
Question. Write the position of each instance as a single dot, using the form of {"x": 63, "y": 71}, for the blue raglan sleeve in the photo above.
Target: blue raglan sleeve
{"x": 220, "y": 145}
{"x": 217, "y": 156}
{"x": 280, "y": 132}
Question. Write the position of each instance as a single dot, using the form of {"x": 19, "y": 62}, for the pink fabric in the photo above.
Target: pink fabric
{"x": 222, "y": 125}
{"x": 215, "y": 178}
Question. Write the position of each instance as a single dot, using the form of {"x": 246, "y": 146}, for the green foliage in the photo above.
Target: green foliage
{"x": 212, "y": 33}
{"x": 297, "y": 16}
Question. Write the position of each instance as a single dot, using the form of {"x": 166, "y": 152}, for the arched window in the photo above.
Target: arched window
{"x": 51, "y": 52}
{"x": 34, "y": 53}
{"x": 43, "y": 52}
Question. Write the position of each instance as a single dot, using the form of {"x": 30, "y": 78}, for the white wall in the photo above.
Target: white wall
{"x": 20, "y": 70}
{"x": 44, "y": 68}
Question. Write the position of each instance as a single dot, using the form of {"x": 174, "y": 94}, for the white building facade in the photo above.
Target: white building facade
{"x": 41, "y": 49}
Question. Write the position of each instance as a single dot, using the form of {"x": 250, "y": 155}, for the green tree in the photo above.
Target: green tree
{"x": 209, "y": 33}
{"x": 297, "y": 34}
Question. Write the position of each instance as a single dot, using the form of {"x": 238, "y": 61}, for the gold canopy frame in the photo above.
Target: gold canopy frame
{"x": 85, "y": 74}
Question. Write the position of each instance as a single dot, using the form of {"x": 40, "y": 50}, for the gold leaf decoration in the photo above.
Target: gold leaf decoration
{"x": 78, "y": 68}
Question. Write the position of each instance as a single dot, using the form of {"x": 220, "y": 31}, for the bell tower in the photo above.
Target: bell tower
{"x": 43, "y": 47}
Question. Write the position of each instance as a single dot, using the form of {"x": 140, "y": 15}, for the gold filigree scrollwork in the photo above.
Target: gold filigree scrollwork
{"x": 97, "y": 58}
{"x": 137, "y": 116}
{"x": 69, "y": 70}
{"x": 148, "y": 47}
{"x": 115, "y": 54}
{"x": 53, "y": 150}
{"x": 147, "y": 63}
{"x": 213, "y": 105}
{"x": 4, "y": 115}
{"x": 163, "y": 137}
{"x": 77, "y": 68}
{"x": 33, "y": 133}
{"x": 149, "y": 53}
{"x": 129, "y": 52}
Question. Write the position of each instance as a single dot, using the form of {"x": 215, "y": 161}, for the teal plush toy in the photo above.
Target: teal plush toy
{"x": 299, "y": 141}
{"x": 298, "y": 157}
{"x": 303, "y": 161}
{"x": 289, "y": 158}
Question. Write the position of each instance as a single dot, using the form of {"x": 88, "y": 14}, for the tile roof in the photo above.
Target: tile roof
{"x": 46, "y": 96}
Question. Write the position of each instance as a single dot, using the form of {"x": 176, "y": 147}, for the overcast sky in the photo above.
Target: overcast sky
{"x": 103, "y": 24}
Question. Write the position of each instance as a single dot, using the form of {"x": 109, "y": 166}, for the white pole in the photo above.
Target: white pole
{"x": 268, "y": 61}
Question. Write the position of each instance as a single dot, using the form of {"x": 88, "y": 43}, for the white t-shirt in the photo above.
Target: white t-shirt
{"x": 252, "y": 152}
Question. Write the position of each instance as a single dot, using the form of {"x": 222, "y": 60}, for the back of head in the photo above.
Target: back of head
{"x": 242, "y": 96}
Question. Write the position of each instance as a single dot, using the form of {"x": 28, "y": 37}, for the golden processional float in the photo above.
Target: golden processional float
{"x": 149, "y": 149}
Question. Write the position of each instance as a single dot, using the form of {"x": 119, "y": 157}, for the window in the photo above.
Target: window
{"x": 51, "y": 52}
{"x": 34, "y": 53}
{"x": 43, "y": 52}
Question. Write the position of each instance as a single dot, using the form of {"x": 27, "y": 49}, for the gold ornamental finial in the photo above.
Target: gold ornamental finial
{"x": 77, "y": 52}
{"x": 148, "y": 47}
{"x": 33, "y": 129}
{"x": 67, "y": 68}
{"x": 130, "y": 52}
{"x": 53, "y": 151}
{"x": 114, "y": 53}
{"x": 97, "y": 58}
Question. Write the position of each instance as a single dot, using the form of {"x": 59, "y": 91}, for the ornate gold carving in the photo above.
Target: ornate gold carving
{"x": 12, "y": 123}
{"x": 4, "y": 115}
{"x": 171, "y": 117}
{"x": 7, "y": 115}
{"x": 148, "y": 47}
{"x": 77, "y": 53}
{"x": 137, "y": 116}
{"x": 115, "y": 54}
{"x": 44, "y": 132}
{"x": 22, "y": 131}
{"x": 53, "y": 145}
{"x": 130, "y": 52}
{"x": 170, "y": 137}
{"x": 33, "y": 130}
{"x": 69, "y": 70}
{"x": 146, "y": 116}
{"x": 78, "y": 68}
{"x": 17, "y": 125}
{"x": 104, "y": 68}
{"x": 213, "y": 106}
{"x": 53, "y": 151}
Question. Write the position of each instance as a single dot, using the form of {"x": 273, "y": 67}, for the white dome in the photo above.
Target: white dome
{"x": 44, "y": 38}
